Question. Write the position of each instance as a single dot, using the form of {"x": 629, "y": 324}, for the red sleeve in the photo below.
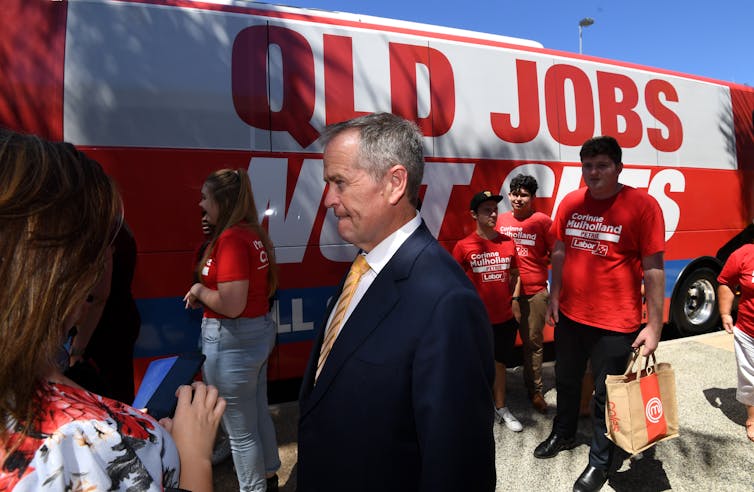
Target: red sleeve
{"x": 730, "y": 274}
{"x": 547, "y": 230}
{"x": 555, "y": 232}
{"x": 232, "y": 257}
{"x": 653, "y": 229}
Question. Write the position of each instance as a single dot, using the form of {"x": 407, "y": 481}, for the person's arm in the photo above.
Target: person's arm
{"x": 517, "y": 291}
{"x": 557, "y": 257}
{"x": 229, "y": 299}
{"x": 654, "y": 288}
{"x": 725, "y": 296}
{"x": 193, "y": 428}
{"x": 232, "y": 267}
{"x": 549, "y": 239}
{"x": 515, "y": 282}
{"x": 451, "y": 383}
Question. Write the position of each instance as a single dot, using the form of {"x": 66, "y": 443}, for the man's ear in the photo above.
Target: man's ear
{"x": 397, "y": 177}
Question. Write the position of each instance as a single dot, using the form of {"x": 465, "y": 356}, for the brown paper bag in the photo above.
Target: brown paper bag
{"x": 641, "y": 408}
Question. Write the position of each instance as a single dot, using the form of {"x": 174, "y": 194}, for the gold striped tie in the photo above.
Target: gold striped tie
{"x": 358, "y": 268}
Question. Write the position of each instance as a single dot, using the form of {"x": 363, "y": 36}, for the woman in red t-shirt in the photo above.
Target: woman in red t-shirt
{"x": 738, "y": 272}
{"x": 238, "y": 276}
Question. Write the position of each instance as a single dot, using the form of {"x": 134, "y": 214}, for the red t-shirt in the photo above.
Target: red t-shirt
{"x": 739, "y": 272}
{"x": 239, "y": 254}
{"x": 605, "y": 241}
{"x": 533, "y": 245}
{"x": 487, "y": 263}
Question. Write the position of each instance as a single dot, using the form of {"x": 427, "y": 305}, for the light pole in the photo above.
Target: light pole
{"x": 585, "y": 22}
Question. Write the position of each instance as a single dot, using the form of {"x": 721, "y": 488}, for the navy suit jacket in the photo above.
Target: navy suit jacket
{"x": 404, "y": 401}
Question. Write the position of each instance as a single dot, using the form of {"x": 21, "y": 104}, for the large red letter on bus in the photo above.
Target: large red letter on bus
{"x": 556, "y": 107}
{"x": 403, "y": 87}
{"x": 528, "y": 107}
{"x": 664, "y": 115}
{"x": 339, "y": 88}
{"x": 611, "y": 108}
{"x": 250, "y": 75}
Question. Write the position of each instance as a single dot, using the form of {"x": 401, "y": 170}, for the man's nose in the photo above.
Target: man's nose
{"x": 330, "y": 198}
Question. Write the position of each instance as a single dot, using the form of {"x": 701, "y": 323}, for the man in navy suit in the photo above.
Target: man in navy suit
{"x": 402, "y": 399}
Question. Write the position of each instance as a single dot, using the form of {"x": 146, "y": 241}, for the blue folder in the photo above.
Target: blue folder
{"x": 162, "y": 379}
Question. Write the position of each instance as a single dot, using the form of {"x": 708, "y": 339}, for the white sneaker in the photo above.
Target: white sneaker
{"x": 504, "y": 415}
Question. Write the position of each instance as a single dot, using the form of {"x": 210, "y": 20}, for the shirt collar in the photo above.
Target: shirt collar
{"x": 384, "y": 251}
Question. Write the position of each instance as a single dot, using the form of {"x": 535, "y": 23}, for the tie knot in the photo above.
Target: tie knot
{"x": 360, "y": 265}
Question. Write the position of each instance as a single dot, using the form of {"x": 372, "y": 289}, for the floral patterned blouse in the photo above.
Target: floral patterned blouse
{"x": 88, "y": 443}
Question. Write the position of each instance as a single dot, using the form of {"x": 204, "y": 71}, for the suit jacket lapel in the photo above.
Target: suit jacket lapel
{"x": 307, "y": 381}
{"x": 377, "y": 303}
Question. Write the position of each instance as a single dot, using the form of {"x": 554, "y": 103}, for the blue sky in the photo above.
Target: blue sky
{"x": 712, "y": 38}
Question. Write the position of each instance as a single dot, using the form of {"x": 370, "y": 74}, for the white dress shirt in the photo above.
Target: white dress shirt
{"x": 377, "y": 259}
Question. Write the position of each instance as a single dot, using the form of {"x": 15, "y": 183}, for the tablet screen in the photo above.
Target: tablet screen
{"x": 162, "y": 379}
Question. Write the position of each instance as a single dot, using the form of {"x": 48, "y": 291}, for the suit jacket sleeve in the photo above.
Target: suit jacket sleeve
{"x": 452, "y": 386}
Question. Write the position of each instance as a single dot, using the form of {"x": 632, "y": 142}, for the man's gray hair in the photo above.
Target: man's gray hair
{"x": 386, "y": 140}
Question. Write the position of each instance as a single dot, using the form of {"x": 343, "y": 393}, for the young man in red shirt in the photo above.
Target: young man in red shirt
{"x": 489, "y": 260}
{"x": 530, "y": 231}
{"x": 609, "y": 237}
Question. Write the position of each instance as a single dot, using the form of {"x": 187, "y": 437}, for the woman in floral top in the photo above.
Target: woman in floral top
{"x": 58, "y": 215}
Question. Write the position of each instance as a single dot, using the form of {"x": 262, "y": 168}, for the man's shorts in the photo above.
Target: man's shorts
{"x": 505, "y": 338}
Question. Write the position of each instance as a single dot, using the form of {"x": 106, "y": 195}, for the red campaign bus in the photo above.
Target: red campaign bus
{"x": 164, "y": 92}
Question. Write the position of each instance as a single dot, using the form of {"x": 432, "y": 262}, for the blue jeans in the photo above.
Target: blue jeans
{"x": 237, "y": 351}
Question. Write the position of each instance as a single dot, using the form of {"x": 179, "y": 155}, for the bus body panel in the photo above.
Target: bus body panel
{"x": 164, "y": 93}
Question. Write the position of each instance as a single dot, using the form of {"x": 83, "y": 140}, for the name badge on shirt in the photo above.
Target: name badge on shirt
{"x": 205, "y": 270}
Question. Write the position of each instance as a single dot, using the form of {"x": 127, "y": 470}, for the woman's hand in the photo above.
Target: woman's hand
{"x": 193, "y": 428}
{"x": 229, "y": 299}
{"x": 192, "y": 297}
{"x": 196, "y": 418}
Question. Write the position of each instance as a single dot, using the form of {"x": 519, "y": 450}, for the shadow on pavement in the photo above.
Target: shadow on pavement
{"x": 645, "y": 474}
{"x": 725, "y": 400}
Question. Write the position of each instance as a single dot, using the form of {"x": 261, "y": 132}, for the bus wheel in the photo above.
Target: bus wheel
{"x": 694, "y": 309}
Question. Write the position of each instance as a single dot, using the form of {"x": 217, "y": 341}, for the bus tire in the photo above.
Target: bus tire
{"x": 694, "y": 308}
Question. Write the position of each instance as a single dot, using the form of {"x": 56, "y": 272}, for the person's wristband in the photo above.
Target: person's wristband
{"x": 516, "y": 298}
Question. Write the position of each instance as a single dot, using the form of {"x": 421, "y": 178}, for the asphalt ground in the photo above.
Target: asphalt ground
{"x": 711, "y": 454}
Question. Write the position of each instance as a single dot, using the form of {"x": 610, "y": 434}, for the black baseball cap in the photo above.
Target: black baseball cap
{"x": 483, "y": 196}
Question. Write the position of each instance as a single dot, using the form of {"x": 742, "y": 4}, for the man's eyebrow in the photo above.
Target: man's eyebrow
{"x": 333, "y": 177}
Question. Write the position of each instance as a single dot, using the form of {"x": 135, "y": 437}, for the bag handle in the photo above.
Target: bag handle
{"x": 637, "y": 356}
